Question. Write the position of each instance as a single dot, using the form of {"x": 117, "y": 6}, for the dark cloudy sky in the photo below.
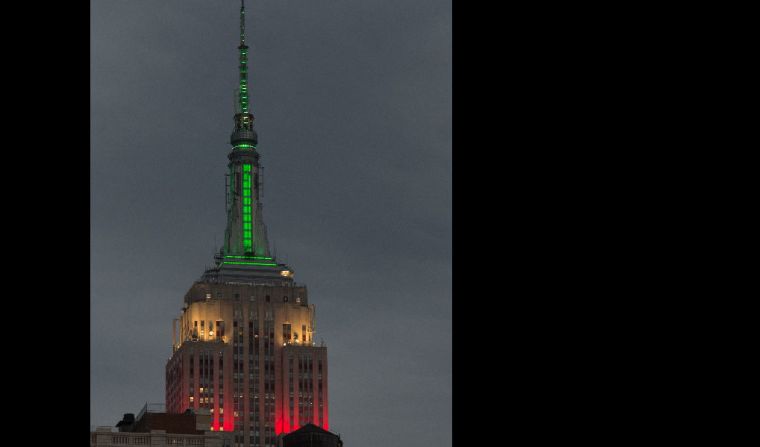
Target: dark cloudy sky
{"x": 352, "y": 100}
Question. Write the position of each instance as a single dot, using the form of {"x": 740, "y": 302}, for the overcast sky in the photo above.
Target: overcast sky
{"x": 352, "y": 100}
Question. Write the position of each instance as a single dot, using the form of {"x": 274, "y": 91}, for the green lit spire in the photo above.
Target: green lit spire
{"x": 245, "y": 236}
{"x": 243, "y": 136}
{"x": 243, "y": 95}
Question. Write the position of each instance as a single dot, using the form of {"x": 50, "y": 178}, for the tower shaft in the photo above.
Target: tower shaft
{"x": 245, "y": 235}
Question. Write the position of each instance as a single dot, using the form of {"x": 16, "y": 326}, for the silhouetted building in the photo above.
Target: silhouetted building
{"x": 310, "y": 436}
{"x": 155, "y": 417}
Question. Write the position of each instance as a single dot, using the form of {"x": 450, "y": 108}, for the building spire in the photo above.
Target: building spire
{"x": 243, "y": 95}
{"x": 243, "y": 136}
{"x": 242, "y": 22}
{"x": 245, "y": 236}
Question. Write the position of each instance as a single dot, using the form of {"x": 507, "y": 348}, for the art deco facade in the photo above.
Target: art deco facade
{"x": 243, "y": 346}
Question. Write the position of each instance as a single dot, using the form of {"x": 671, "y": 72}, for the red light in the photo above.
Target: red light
{"x": 278, "y": 425}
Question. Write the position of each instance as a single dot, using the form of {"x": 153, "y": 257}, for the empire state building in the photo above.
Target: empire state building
{"x": 243, "y": 346}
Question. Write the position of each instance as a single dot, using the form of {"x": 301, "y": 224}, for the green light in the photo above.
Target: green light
{"x": 243, "y": 98}
{"x": 250, "y": 263}
{"x": 247, "y": 210}
{"x": 248, "y": 257}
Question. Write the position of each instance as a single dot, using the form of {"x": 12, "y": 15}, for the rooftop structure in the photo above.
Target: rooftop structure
{"x": 311, "y": 436}
{"x": 154, "y": 427}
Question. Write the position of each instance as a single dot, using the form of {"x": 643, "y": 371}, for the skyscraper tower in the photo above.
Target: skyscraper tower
{"x": 243, "y": 346}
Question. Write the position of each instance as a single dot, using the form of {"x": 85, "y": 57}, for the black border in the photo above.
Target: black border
{"x": 47, "y": 212}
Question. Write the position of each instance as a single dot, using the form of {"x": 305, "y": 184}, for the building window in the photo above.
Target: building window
{"x": 286, "y": 331}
